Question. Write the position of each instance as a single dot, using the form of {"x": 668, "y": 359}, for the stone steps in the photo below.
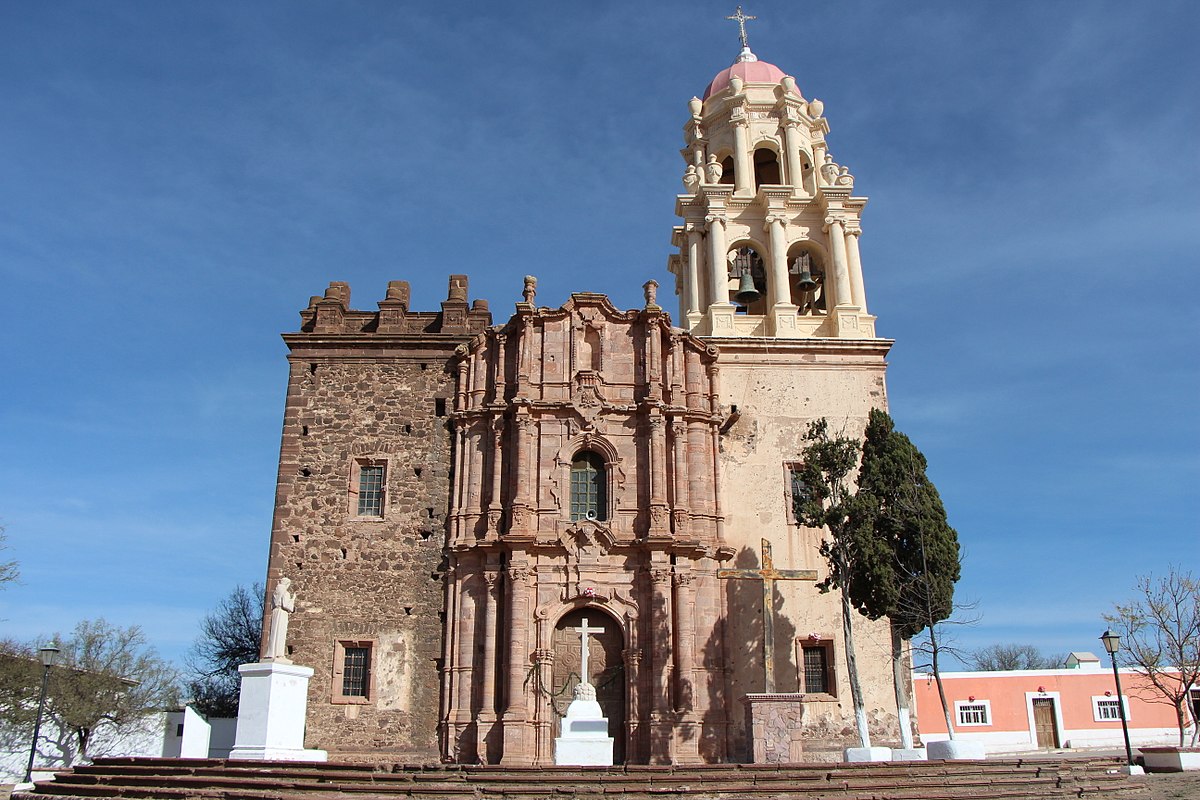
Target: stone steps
{"x": 216, "y": 779}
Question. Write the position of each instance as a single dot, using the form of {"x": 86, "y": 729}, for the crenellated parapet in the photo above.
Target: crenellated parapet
{"x": 332, "y": 314}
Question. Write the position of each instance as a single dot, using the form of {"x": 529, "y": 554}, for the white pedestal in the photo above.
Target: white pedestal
{"x": 956, "y": 750}
{"x": 585, "y": 741}
{"x": 858, "y": 755}
{"x": 271, "y": 710}
{"x": 908, "y": 754}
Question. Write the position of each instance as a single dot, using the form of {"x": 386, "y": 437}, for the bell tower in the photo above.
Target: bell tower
{"x": 769, "y": 241}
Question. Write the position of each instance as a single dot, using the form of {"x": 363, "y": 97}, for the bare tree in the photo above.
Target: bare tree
{"x": 229, "y": 637}
{"x": 1010, "y": 656}
{"x": 109, "y": 679}
{"x": 8, "y": 569}
{"x": 1160, "y": 637}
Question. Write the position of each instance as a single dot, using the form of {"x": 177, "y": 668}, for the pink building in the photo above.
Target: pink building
{"x": 1019, "y": 710}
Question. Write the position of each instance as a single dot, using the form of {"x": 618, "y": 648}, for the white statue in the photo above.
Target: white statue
{"x": 713, "y": 170}
{"x": 283, "y": 602}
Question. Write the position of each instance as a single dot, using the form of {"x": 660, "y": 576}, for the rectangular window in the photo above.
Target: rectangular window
{"x": 368, "y": 487}
{"x": 816, "y": 670}
{"x": 356, "y": 666}
{"x": 794, "y": 491}
{"x": 815, "y": 656}
{"x": 352, "y": 672}
{"x": 1108, "y": 709}
{"x": 974, "y": 712}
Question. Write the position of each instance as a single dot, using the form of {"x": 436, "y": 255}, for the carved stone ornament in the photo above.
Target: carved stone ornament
{"x": 691, "y": 179}
{"x": 587, "y": 537}
{"x": 713, "y": 170}
{"x": 587, "y": 401}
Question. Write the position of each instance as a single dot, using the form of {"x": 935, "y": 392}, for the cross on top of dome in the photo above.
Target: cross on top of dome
{"x": 741, "y": 19}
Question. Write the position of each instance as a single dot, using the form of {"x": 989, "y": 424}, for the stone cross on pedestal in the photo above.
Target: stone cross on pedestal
{"x": 583, "y": 631}
{"x": 768, "y": 575}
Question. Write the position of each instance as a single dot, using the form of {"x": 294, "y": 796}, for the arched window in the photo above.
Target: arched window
{"x": 747, "y": 273}
{"x": 589, "y": 496}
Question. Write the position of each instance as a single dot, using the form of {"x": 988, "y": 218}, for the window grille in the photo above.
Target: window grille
{"x": 356, "y": 669}
{"x": 370, "y": 491}
{"x": 973, "y": 714}
{"x": 816, "y": 670}
{"x": 588, "y": 499}
{"x": 1108, "y": 709}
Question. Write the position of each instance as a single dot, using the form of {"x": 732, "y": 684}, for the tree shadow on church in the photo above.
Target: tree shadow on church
{"x": 737, "y": 643}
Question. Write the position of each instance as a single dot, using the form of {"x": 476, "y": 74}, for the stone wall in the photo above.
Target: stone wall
{"x": 356, "y": 395}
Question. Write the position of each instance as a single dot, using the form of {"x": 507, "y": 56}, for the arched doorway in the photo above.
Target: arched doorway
{"x": 606, "y": 670}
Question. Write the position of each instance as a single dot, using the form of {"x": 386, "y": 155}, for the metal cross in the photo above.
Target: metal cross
{"x": 583, "y": 631}
{"x": 741, "y": 20}
{"x": 768, "y": 575}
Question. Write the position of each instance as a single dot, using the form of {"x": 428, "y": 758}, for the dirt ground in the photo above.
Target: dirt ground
{"x": 1173, "y": 786}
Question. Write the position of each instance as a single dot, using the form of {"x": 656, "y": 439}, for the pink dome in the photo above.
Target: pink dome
{"x": 748, "y": 71}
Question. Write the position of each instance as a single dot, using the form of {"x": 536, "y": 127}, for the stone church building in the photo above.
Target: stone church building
{"x": 457, "y": 494}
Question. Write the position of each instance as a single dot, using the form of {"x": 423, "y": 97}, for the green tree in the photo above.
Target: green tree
{"x": 108, "y": 680}
{"x": 1160, "y": 637}
{"x": 829, "y": 502}
{"x": 229, "y": 637}
{"x": 907, "y": 554}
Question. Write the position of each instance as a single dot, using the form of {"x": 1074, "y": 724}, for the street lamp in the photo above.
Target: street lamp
{"x": 1112, "y": 643}
{"x": 48, "y": 654}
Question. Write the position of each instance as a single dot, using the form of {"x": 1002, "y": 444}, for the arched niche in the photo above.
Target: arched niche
{"x": 812, "y": 302}
{"x": 747, "y": 255}
{"x": 727, "y": 170}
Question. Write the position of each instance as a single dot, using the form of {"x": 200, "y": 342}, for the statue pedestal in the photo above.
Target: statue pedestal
{"x": 271, "y": 710}
{"x": 774, "y": 723}
{"x": 585, "y": 741}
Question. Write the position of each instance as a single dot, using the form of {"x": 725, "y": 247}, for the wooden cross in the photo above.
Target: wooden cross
{"x": 583, "y": 631}
{"x": 741, "y": 19}
{"x": 768, "y": 575}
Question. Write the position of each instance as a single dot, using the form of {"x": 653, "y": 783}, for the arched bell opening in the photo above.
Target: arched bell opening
{"x": 806, "y": 180}
{"x": 605, "y": 670}
{"x": 748, "y": 279}
{"x": 806, "y": 279}
{"x": 766, "y": 166}
{"x": 727, "y": 170}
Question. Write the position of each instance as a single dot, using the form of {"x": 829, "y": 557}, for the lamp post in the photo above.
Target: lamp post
{"x": 1112, "y": 643}
{"x": 48, "y": 654}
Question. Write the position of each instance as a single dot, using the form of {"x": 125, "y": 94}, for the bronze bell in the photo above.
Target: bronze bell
{"x": 746, "y": 293}
{"x": 806, "y": 282}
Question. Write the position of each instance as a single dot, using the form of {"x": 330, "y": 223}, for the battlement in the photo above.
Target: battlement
{"x": 332, "y": 314}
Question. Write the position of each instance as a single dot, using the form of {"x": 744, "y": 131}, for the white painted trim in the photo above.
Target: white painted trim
{"x": 1097, "y": 699}
{"x": 987, "y": 712}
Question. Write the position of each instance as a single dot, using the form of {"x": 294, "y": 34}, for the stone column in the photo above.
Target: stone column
{"x": 841, "y": 269}
{"x": 543, "y": 717}
{"x": 685, "y": 640}
{"x": 718, "y": 268}
{"x": 743, "y": 174}
{"x": 520, "y": 522}
{"x": 659, "y": 525}
{"x": 695, "y": 253}
{"x": 661, "y": 717}
{"x": 449, "y": 676}
{"x": 791, "y": 141}
{"x": 487, "y": 705}
{"x": 778, "y": 290}
{"x": 501, "y": 366}
{"x": 633, "y": 749}
{"x": 495, "y": 504}
{"x": 516, "y": 742}
{"x": 680, "y": 503}
{"x": 857, "y": 288}
{"x": 462, "y": 742}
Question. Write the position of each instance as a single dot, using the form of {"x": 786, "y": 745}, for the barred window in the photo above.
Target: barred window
{"x": 356, "y": 671}
{"x": 370, "y": 490}
{"x": 973, "y": 713}
{"x": 816, "y": 670}
{"x": 588, "y": 490}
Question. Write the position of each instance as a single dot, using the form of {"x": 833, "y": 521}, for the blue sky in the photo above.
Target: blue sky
{"x": 179, "y": 178}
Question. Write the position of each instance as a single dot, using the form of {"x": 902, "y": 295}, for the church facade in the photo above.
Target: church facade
{"x": 458, "y": 500}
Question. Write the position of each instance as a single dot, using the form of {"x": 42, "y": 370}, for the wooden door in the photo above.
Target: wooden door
{"x": 1045, "y": 722}
{"x": 605, "y": 667}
